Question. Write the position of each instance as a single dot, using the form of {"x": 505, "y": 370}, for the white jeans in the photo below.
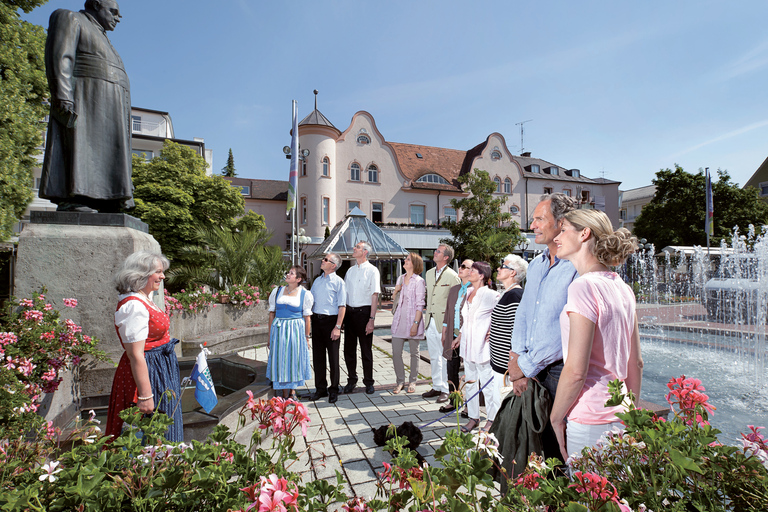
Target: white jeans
{"x": 436, "y": 359}
{"x": 579, "y": 435}
{"x": 484, "y": 373}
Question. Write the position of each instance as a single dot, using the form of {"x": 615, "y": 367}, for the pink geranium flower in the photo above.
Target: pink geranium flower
{"x": 70, "y": 303}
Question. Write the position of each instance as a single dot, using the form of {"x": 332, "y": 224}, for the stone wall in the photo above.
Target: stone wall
{"x": 222, "y": 317}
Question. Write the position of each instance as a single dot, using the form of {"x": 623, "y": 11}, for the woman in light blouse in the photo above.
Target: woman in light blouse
{"x": 411, "y": 291}
{"x": 475, "y": 348}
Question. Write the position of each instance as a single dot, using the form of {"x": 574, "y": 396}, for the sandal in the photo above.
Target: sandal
{"x": 470, "y": 426}
{"x": 398, "y": 388}
{"x": 411, "y": 388}
{"x": 487, "y": 427}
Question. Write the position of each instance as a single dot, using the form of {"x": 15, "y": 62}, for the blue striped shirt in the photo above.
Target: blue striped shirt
{"x": 330, "y": 293}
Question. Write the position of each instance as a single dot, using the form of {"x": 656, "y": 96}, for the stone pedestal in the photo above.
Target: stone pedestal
{"x": 77, "y": 255}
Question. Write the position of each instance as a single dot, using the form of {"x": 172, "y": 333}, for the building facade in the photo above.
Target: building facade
{"x": 407, "y": 188}
{"x": 632, "y": 203}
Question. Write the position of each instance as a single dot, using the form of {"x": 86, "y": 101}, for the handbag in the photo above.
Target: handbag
{"x": 506, "y": 386}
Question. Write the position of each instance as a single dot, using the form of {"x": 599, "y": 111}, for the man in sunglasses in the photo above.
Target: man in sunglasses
{"x": 330, "y": 293}
{"x": 440, "y": 280}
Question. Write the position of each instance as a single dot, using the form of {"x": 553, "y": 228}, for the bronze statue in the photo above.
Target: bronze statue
{"x": 87, "y": 164}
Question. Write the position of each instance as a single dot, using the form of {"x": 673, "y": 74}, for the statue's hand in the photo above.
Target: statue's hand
{"x": 65, "y": 112}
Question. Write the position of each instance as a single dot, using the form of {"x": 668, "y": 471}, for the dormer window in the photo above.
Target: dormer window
{"x": 573, "y": 172}
{"x": 552, "y": 170}
{"x": 433, "y": 178}
{"x": 534, "y": 168}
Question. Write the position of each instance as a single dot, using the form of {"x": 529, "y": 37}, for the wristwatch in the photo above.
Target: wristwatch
{"x": 338, "y": 327}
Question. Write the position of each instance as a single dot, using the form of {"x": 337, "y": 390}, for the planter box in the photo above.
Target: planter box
{"x": 222, "y": 317}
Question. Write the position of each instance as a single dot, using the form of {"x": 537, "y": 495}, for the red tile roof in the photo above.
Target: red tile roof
{"x": 443, "y": 162}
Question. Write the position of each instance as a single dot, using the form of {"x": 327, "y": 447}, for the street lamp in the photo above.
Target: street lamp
{"x": 523, "y": 246}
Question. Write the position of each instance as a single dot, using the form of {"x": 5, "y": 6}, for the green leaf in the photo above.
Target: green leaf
{"x": 684, "y": 462}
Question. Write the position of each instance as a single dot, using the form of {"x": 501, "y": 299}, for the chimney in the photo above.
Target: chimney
{"x": 527, "y": 154}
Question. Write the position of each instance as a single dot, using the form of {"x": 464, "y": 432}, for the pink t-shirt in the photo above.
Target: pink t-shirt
{"x": 602, "y": 298}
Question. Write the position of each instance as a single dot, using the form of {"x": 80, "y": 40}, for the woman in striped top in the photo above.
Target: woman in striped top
{"x": 511, "y": 273}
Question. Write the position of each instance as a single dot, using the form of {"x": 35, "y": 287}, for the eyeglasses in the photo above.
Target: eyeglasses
{"x": 327, "y": 260}
{"x": 464, "y": 267}
{"x": 506, "y": 267}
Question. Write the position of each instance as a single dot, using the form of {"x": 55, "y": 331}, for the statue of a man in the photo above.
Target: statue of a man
{"x": 87, "y": 164}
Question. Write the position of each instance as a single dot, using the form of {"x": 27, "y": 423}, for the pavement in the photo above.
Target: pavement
{"x": 340, "y": 438}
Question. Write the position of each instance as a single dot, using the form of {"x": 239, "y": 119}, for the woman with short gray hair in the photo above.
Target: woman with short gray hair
{"x": 148, "y": 368}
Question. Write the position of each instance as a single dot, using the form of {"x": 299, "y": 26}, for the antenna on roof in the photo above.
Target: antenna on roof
{"x": 521, "y": 123}
{"x": 316, "y": 91}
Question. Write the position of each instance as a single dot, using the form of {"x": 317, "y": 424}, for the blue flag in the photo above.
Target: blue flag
{"x": 205, "y": 393}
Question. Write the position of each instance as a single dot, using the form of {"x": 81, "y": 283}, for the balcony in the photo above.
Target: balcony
{"x": 155, "y": 129}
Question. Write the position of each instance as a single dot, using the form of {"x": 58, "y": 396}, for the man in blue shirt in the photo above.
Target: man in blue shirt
{"x": 330, "y": 294}
{"x": 536, "y": 346}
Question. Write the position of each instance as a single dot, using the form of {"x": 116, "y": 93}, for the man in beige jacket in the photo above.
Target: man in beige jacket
{"x": 440, "y": 280}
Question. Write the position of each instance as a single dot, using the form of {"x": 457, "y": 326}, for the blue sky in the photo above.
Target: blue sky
{"x": 616, "y": 89}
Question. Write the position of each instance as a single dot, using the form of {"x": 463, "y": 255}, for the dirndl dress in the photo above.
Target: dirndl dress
{"x": 288, "y": 364}
{"x": 163, "y": 369}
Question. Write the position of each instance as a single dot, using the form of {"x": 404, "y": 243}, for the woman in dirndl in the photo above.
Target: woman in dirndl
{"x": 290, "y": 308}
{"x": 148, "y": 367}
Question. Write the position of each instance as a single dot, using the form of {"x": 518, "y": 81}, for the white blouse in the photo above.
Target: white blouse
{"x": 477, "y": 322}
{"x": 132, "y": 318}
{"x": 292, "y": 300}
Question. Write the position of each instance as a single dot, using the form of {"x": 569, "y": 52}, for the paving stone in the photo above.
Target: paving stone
{"x": 349, "y": 452}
{"x": 359, "y": 472}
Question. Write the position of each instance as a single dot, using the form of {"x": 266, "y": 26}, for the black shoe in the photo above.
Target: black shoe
{"x": 446, "y": 409}
{"x": 369, "y": 389}
{"x": 332, "y": 398}
{"x": 317, "y": 395}
{"x": 464, "y": 413}
{"x": 350, "y": 387}
{"x": 431, "y": 393}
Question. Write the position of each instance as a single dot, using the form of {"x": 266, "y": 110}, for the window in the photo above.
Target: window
{"x": 417, "y": 214}
{"x": 623, "y": 214}
{"x": 287, "y": 241}
{"x": 244, "y": 189}
{"x": 326, "y": 208}
{"x": 363, "y": 139}
{"x": 552, "y": 170}
{"x": 547, "y": 190}
{"x": 303, "y": 167}
{"x": 567, "y": 192}
{"x": 507, "y": 186}
{"x": 354, "y": 174}
{"x": 326, "y": 167}
{"x": 146, "y": 155}
{"x": 433, "y": 178}
{"x": 575, "y": 173}
{"x": 450, "y": 213}
{"x": 495, "y": 154}
{"x": 352, "y": 204}
{"x": 585, "y": 196}
{"x": 303, "y": 210}
{"x": 136, "y": 123}
{"x": 535, "y": 168}
{"x": 373, "y": 174}
{"x": 763, "y": 189}
{"x": 497, "y": 181}
{"x": 514, "y": 210}
{"x": 37, "y": 183}
{"x": 377, "y": 212}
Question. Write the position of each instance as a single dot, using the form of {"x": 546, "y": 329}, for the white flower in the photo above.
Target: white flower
{"x": 90, "y": 439}
{"x": 92, "y": 417}
{"x": 50, "y": 471}
{"x": 488, "y": 443}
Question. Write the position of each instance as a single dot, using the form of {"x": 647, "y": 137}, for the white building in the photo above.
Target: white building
{"x": 632, "y": 203}
{"x": 406, "y": 188}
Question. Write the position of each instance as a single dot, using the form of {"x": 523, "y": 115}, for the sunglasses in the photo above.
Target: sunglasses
{"x": 464, "y": 267}
{"x": 506, "y": 267}
{"x": 327, "y": 260}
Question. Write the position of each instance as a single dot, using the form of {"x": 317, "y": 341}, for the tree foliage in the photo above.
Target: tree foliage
{"x": 176, "y": 198}
{"x": 675, "y": 216}
{"x": 483, "y": 232}
{"x": 23, "y": 87}
{"x": 229, "y": 169}
{"x": 224, "y": 258}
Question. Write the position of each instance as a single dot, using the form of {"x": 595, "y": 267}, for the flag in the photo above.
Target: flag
{"x": 205, "y": 393}
{"x": 709, "y": 227}
{"x": 293, "y": 176}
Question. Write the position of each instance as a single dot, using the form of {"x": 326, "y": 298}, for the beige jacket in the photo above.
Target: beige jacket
{"x": 437, "y": 296}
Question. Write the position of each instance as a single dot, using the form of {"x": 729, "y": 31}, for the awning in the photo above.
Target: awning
{"x": 353, "y": 228}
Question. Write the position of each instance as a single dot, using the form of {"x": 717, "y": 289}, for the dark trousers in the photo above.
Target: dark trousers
{"x": 453, "y": 366}
{"x": 322, "y": 346}
{"x": 549, "y": 377}
{"x": 354, "y": 330}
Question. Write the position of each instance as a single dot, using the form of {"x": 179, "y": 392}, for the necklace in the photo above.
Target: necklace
{"x": 148, "y": 300}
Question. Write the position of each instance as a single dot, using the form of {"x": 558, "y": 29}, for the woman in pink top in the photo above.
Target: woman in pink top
{"x": 601, "y": 341}
{"x": 411, "y": 291}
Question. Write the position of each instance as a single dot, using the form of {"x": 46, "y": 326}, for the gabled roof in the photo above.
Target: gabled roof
{"x": 635, "y": 194}
{"x": 270, "y": 190}
{"x": 441, "y": 161}
{"x": 354, "y": 227}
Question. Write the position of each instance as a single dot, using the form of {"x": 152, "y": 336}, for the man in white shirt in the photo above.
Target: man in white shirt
{"x": 363, "y": 289}
{"x": 439, "y": 280}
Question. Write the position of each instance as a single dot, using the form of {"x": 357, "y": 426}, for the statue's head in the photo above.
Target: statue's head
{"x": 106, "y": 12}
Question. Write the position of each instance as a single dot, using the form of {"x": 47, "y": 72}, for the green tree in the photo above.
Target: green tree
{"x": 675, "y": 216}
{"x": 23, "y": 87}
{"x": 224, "y": 258}
{"x": 175, "y": 197}
{"x": 483, "y": 232}
{"x": 229, "y": 169}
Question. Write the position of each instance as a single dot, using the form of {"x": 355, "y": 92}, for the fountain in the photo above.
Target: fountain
{"x": 705, "y": 316}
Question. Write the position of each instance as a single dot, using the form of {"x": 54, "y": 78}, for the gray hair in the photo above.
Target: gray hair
{"x": 519, "y": 265}
{"x": 137, "y": 268}
{"x": 560, "y": 204}
{"x": 366, "y": 246}
{"x": 448, "y": 252}
{"x": 334, "y": 258}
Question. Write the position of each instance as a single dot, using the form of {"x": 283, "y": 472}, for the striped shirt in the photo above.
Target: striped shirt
{"x": 502, "y": 322}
